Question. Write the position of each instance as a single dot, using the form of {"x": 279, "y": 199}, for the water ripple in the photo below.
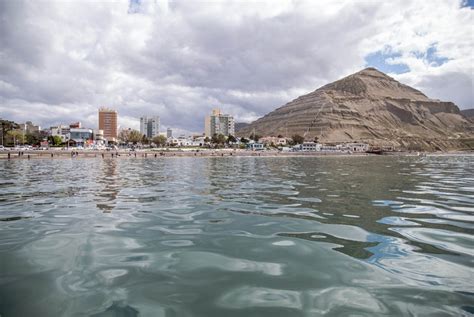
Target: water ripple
{"x": 308, "y": 236}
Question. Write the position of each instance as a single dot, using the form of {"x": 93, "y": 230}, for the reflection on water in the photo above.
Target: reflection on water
{"x": 374, "y": 236}
{"x": 107, "y": 175}
{"x": 118, "y": 310}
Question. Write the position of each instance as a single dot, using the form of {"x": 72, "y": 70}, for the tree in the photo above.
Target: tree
{"x": 244, "y": 140}
{"x": 297, "y": 139}
{"x": 133, "y": 136}
{"x": 280, "y": 136}
{"x": 159, "y": 140}
{"x": 218, "y": 139}
{"x": 145, "y": 139}
{"x": 33, "y": 138}
{"x": 221, "y": 139}
{"x": 231, "y": 138}
{"x": 316, "y": 139}
{"x": 207, "y": 140}
{"x": 55, "y": 140}
{"x": 124, "y": 136}
{"x": 16, "y": 137}
{"x": 5, "y": 127}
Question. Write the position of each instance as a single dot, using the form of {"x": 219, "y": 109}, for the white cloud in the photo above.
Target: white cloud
{"x": 60, "y": 61}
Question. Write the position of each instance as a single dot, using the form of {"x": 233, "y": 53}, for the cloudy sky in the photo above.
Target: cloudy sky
{"x": 61, "y": 61}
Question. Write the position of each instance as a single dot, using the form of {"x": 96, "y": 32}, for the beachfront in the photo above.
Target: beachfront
{"x": 63, "y": 154}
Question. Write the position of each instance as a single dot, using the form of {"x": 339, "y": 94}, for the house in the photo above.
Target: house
{"x": 255, "y": 146}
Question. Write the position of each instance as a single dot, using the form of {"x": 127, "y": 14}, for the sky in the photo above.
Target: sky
{"x": 62, "y": 60}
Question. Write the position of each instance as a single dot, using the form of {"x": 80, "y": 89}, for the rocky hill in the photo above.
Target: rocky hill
{"x": 371, "y": 107}
{"x": 239, "y": 126}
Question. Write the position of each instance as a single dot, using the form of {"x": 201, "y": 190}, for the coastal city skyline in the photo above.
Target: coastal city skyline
{"x": 107, "y": 131}
{"x": 328, "y": 119}
{"x": 163, "y": 58}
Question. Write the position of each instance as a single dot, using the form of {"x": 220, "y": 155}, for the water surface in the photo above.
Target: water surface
{"x": 236, "y": 236}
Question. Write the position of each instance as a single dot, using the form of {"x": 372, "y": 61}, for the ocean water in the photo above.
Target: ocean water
{"x": 237, "y": 236}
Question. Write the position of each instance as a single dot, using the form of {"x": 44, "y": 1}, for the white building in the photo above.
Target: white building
{"x": 99, "y": 136}
{"x": 218, "y": 123}
{"x": 62, "y": 131}
{"x": 330, "y": 148}
{"x": 356, "y": 147}
{"x": 150, "y": 126}
{"x": 271, "y": 139}
{"x": 310, "y": 147}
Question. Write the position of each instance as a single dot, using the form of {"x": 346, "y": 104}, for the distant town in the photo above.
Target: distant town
{"x": 219, "y": 132}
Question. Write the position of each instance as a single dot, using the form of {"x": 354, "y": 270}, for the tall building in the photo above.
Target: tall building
{"x": 29, "y": 127}
{"x": 150, "y": 126}
{"x": 108, "y": 123}
{"x": 218, "y": 123}
{"x": 169, "y": 133}
{"x": 144, "y": 125}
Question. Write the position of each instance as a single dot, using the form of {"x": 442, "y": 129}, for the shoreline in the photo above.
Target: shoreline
{"x": 121, "y": 154}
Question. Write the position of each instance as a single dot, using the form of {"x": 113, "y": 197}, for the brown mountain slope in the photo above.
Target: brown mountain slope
{"x": 239, "y": 126}
{"x": 371, "y": 107}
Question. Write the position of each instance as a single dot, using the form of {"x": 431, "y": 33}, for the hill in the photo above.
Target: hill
{"x": 239, "y": 126}
{"x": 370, "y": 107}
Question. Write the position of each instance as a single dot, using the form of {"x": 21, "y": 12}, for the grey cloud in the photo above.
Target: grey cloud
{"x": 459, "y": 85}
{"x": 255, "y": 54}
{"x": 61, "y": 61}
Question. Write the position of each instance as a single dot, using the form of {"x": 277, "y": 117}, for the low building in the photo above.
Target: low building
{"x": 269, "y": 140}
{"x": 310, "y": 147}
{"x": 188, "y": 141}
{"x": 356, "y": 147}
{"x": 62, "y": 131}
{"x": 330, "y": 148}
{"x": 99, "y": 136}
{"x": 81, "y": 136}
{"x": 346, "y": 147}
{"x": 255, "y": 146}
{"x": 199, "y": 140}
